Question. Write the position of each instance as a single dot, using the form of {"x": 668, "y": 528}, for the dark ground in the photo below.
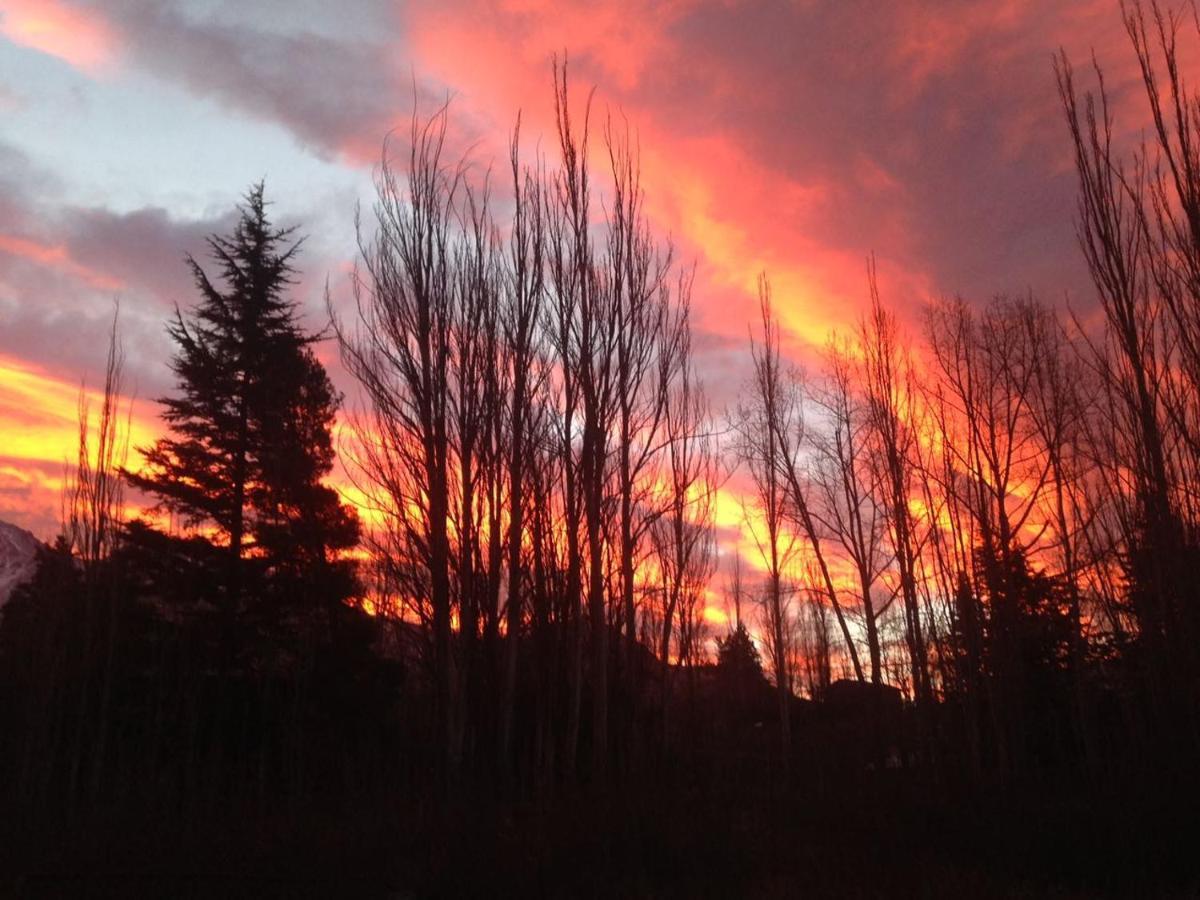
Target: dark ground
{"x": 663, "y": 841}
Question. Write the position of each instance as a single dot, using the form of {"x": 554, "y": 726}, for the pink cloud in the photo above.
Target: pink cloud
{"x": 56, "y": 256}
{"x": 82, "y": 37}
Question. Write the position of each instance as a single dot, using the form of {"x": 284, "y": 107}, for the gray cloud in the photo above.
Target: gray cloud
{"x": 336, "y": 94}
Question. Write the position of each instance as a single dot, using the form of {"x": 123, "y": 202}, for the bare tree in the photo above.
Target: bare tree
{"x": 850, "y": 490}
{"x": 799, "y": 510}
{"x": 524, "y": 296}
{"x": 759, "y": 425}
{"x": 1139, "y": 228}
{"x": 581, "y": 340}
{"x": 93, "y": 517}
{"x": 93, "y": 499}
{"x": 399, "y": 350}
{"x": 988, "y": 365}
{"x": 683, "y": 536}
{"x": 646, "y": 337}
{"x": 886, "y": 374}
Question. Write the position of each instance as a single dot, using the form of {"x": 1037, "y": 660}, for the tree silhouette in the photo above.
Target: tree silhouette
{"x": 249, "y": 431}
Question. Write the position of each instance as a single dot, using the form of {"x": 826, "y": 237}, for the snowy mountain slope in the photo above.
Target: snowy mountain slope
{"x": 18, "y": 549}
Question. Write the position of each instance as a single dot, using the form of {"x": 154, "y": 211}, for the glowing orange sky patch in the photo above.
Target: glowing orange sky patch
{"x": 75, "y": 35}
{"x": 735, "y": 215}
{"x": 39, "y": 414}
{"x": 39, "y": 438}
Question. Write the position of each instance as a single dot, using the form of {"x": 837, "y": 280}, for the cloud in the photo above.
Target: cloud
{"x": 79, "y": 35}
{"x": 814, "y": 133}
{"x": 338, "y": 94}
{"x": 793, "y": 137}
{"x": 29, "y": 494}
{"x": 55, "y": 257}
{"x": 62, "y": 267}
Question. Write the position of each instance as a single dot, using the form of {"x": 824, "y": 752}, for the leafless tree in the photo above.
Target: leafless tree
{"x": 399, "y": 350}
{"x": 523, "y": 309}
{"x": 646, "y": 337}
{"x": 683, "y": 536}
{"x": 892, "y": 403}
{"x": 94, "y": 497}
{"x": 581, "y": 339}
{"x": 1138, "y": 225}
{"x": 850, "y": 490}
{"x": 760, "y": 423}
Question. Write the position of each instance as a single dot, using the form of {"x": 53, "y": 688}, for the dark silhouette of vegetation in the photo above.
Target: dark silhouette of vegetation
{"x": 250, "y": 436}
{"x": 966, "y": 664}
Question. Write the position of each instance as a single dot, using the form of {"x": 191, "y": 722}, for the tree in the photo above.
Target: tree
{"x": 249, "y": 430}
{"x": 583, "y": 320}
{"x": 988, "y": 362}
{"x": 850, "y": 489}
{"x": 521, "y": 316}
{"x": 399, "y": 352}
{"x": 1139, "y": 228}
{"x": 799, "y": 509}
{"x": 888, "y": 382}
{"x": 682, "y": 536}
{"x": 646, "y": 339}
{"x": 762, "y": 420}
{"x": 738, "y": 658}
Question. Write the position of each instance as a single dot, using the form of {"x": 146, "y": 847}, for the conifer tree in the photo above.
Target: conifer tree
{"x": 249, "y": 430}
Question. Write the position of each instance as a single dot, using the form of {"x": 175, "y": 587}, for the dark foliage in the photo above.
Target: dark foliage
{"x": 250, "y": 441}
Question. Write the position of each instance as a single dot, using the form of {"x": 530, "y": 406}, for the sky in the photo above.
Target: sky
{"x": 793, "y": 138}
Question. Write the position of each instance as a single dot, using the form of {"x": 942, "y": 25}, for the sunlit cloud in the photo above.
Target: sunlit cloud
{"x": 40, "y": 426}
{"x": 81, "y": 37}
{"x": 57, "y": 257}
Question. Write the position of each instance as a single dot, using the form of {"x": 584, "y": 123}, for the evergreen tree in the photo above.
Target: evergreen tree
{"x": 249, "y": 432}
{"x": 738, "y": 657}
{"x": 739, "y": 666}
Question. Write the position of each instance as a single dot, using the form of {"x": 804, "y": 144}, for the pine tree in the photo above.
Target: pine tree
{"x": 737, "y": 654}
{"x": 738, "y": 662}
{"x": 249, "y": 432}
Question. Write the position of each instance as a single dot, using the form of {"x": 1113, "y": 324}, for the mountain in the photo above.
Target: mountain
{"x": 18, "y": 551}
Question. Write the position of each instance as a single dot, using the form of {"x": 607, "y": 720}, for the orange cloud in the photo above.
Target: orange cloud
{"x": 55, "y": 256}
{"x": 39, "y": 434}
{"x": 39, "y": 413}
{"x": 39, "y": 422}
{"x": 80, "y": 37}
{"x": 727, "y": 208}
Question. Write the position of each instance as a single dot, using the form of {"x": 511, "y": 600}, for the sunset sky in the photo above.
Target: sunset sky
{"x": 795, "y": 138}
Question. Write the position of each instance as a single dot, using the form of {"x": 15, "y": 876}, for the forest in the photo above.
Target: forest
{"x": 961, "y": 656}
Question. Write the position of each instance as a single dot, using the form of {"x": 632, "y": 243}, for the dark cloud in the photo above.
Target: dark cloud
{"x": 145, "y": 248}
{"x": 933, "y": 132}
{"x": 63, "y": 267}
{"x": 337, "y": 95}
